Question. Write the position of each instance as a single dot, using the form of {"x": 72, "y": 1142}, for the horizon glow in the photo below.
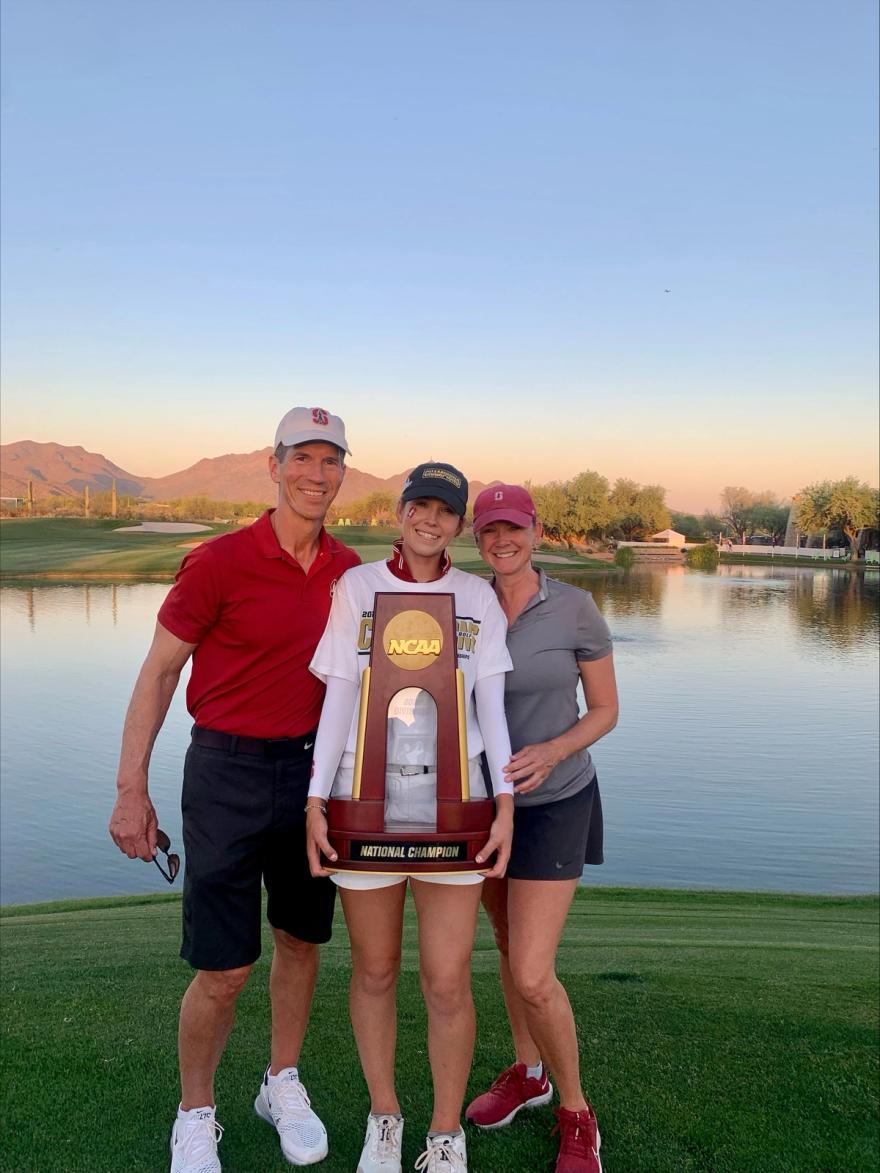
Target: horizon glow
{"x": 455, "y": 227}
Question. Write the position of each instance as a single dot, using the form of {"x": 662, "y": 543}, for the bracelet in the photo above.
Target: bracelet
{"x": 318, "y": 805}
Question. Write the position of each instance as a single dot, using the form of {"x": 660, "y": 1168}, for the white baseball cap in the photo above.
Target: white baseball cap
{"x": 303, "y": 424}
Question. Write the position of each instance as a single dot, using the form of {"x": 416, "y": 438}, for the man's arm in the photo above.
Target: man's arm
{"x": 133, "y": 822}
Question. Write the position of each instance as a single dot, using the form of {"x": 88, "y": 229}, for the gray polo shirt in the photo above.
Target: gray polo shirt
{"x": 559, "y": 627}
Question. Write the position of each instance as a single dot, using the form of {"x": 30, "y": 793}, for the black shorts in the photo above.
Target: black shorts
{"x": 243, "y": 823}
{"x": 553, "y": 840}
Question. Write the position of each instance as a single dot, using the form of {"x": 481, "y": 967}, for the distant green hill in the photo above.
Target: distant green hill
{"x": 719, "y": 1033}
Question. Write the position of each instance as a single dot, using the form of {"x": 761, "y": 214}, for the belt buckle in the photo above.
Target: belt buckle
{"x": 411, "y": 771}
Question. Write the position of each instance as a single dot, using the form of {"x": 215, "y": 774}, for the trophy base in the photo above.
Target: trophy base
{"x": 461, "y": 833}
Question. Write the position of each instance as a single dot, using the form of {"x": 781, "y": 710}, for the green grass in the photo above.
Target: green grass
{"x": 790, "y": 560}
{"x": 74, "y": 548}
{"x": 79, "y": 548}
{"x": 720, "y": 1033}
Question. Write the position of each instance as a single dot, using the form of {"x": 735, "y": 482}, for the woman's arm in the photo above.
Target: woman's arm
{"x": 530, "y": 766}
{"x": 489, "y": 697}
{"x": 336, "y": 718}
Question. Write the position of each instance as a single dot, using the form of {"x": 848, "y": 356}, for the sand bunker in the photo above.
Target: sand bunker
{"x": 164, "y": 527}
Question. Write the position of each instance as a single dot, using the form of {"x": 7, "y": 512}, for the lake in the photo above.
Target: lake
{"x": 746, "y": 756}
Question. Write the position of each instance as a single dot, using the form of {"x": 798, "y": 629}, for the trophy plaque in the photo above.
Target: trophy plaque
{"x": 413, "y": 662}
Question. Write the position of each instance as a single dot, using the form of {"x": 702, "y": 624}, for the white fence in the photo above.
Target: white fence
{"x": 660, "y": 547}
{"x": 784, "y": 551}
{"x": 757, "y": 551}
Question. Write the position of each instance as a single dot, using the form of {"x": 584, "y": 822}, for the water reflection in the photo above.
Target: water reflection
{"x": 837, "y": 608}
{"x": 738, "y": 689}
{"x": 831, "y": 608}
{"x": 639, "y": 591}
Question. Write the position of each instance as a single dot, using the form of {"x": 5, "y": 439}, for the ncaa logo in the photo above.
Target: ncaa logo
{"x": 320, "y": 416}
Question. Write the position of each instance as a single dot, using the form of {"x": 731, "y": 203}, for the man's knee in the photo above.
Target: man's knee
{"x": 292, "y": 949}
{"x": 222, "y": 985}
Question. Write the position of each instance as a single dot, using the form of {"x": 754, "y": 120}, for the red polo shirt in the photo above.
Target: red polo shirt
{"x": 256, "y": 617}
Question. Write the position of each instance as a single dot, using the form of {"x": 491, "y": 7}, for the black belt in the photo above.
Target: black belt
{"x": 257, "y": 747}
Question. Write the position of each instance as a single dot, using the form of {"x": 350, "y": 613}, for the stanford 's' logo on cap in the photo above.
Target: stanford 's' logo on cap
{"x": 320, "y": 416}
{"x": 499, "y": 496}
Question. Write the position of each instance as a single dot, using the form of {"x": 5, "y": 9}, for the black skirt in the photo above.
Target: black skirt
{"x": 553, "y": 840}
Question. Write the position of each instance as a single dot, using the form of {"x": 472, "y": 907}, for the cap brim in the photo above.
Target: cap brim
{"x": 514, "y": 516}
{"x": 438, "y": 491}
{"x": 308, "y": 437}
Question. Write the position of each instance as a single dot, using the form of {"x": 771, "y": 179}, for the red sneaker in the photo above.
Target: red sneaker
{"x": 512, "y": 1090}
{"x": 579, "y": 1141}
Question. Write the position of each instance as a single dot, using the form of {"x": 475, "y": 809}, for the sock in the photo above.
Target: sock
{"x": 535, "y": 1072}
{"x": 386, "y": 1115}
{"x": 185, "y": 1115}
{"x": 452, "y": 1135}
{"x": 270, "y": 1078}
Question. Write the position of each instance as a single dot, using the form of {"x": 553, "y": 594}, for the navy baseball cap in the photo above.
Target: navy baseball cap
{"x": 442, "y": 481}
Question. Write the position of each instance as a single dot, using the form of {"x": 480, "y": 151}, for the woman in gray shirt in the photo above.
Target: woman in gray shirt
{"x": 556, "y": 638}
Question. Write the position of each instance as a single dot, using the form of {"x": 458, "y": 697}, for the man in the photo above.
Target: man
{"x": 249, "y": 607}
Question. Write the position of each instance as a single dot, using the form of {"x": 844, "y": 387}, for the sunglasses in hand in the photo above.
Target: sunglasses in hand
{"x": 172, "y": 865}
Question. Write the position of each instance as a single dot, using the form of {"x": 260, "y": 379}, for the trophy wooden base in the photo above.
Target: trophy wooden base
{"x": 461, "y": 833}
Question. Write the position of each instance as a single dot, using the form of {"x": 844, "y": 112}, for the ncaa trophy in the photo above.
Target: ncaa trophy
{"x": 413, "y": 651}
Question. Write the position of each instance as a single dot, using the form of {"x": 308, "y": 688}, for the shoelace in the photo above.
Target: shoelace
{"x": 387, "y": 1137}
{"x": 440, "y": 1157}
{"x": 570, "y": 1133}
{"x": 290, "y": 1095}
{"x": 510, "y": 1075}
{"x": 200, "y": 1139}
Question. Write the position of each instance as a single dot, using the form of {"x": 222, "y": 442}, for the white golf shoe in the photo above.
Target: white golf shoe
{"x": 382, "y": 1145}
{"x": 194, "y": 1140}
{"x": 446, "y": 1153}
{"x": 284, "y": 1103}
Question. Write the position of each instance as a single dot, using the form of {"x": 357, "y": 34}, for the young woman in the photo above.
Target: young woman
{"x": 430, "y": 512}
{"x": 556, "y": 638}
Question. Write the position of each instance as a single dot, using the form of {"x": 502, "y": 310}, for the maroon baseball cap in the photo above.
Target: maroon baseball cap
{"x": 504, "y": 503}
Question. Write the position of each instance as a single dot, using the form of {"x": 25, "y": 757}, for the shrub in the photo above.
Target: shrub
{"x": 703, "y": 557}
{"x": 624, "y": 557}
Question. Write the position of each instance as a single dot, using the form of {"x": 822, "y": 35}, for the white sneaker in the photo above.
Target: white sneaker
{"x": 284, "y": 1103}
{"x": 194, "y": 1143}
{"x": 382, "y": 1145}
{"x": 446, "y": 1153}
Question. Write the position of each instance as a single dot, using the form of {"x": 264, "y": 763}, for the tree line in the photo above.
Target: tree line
{"x": 573, "y": 511}
{"x": 849, "y": 506}
{"x": 743, "y": 514}
{"x": 844, "y": 509}
{"x": 376, "y": 508}
{"x": 580, "y": 510}
{"x": 588, "y": 507}
{"x": 102, "y": 504}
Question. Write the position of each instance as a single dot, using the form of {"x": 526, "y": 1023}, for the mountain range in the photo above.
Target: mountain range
{"x": 63, "y": 470}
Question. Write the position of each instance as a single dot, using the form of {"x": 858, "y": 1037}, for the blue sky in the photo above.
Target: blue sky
{"x": 452, "y": 223}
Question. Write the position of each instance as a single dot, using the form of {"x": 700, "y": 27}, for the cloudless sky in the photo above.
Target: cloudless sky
{"x": 453, "y": 222}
